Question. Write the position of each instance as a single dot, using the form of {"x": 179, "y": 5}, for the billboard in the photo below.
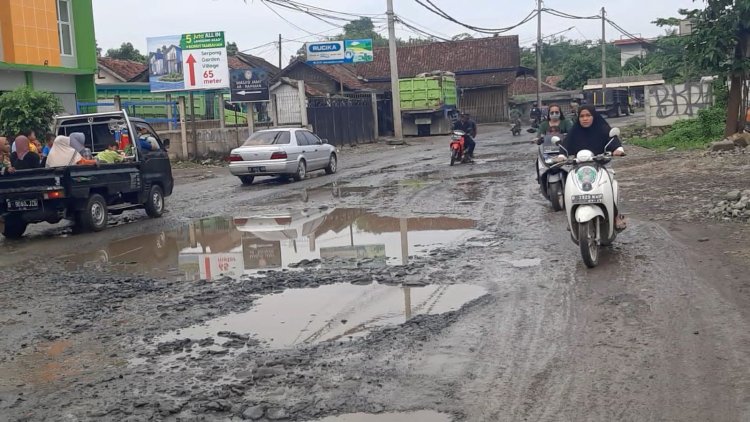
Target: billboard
{"x": 338, "y": 52}
{"x": 249, "y": 85}
{"x": 195, "y": 61}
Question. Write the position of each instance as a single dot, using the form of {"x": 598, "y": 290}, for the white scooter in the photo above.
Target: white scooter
{"x": 591, "y": 201}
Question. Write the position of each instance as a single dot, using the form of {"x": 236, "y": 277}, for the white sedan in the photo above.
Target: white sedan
{"x": 282, "y": 152}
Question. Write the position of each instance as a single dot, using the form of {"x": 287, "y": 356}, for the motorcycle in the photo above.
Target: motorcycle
{"x": 591, "y": 195}
{"x": 551, "y": 178}
{"x": 458, "y": 153}
{"x": 516, "y": 128}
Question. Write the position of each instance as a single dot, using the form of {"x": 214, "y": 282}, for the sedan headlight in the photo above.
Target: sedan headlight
{"x": 586, "y": 177}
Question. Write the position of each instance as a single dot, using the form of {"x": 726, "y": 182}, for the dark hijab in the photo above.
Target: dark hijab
{"x": 593, "y": 138}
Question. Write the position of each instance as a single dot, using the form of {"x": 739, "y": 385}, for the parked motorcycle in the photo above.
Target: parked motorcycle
{"x": 458, "y": 152}
{"x": 591, "y": 195}
{"x": 551, "y": 178}
{"x": 516, "y": 128}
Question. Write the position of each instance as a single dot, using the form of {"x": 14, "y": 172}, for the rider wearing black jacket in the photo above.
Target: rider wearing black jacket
{"x": 469, "y": 127}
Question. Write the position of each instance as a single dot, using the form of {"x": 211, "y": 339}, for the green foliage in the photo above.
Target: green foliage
{"x": 362, "y": 28}
{"x": 126, "y": 52}
{"x": 576, "y": 62}
{"x": 24, "y": 109}
{"x": 719, "y": 31}
{"x": 666, "y": 56}
{"x": 232, "y": 49}
{"x": 690, "y": 134}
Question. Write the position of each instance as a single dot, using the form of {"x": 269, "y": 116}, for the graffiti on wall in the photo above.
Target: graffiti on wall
{"x": 669, "y": 103}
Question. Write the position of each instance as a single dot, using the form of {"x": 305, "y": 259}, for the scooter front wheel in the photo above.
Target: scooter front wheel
{"x": 588, "y": 243}
{"x": 454, "y": 156}
{"x": 556, "y": 196}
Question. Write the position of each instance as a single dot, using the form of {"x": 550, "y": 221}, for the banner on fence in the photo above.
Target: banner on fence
{"x": 337, "y": 52}
{"x": 195, "y": 61}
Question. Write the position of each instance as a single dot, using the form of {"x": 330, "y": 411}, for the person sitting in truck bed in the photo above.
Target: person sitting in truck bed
{"x": 110, "y": 155}
{"x": 63, "y": 154}
{"x": 5, "y": 165}
{"x": 24, "y": 158}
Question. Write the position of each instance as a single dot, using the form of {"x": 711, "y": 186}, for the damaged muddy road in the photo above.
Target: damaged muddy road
{"x": 399, "y": 289}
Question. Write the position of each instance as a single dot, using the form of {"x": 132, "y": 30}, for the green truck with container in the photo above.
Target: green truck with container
{"x": 428, "y": 103}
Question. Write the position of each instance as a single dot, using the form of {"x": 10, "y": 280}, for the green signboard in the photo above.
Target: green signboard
{"x": 202, "y": 40}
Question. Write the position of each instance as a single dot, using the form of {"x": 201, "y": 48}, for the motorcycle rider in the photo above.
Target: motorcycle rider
{"x": 469, "y": 127}
{"x": 556, "y": 118}
{"x": 591, "y": 132}
{"x": 535, "y": 115}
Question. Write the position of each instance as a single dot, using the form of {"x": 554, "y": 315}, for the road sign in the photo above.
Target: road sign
{"x": 196, "y": 61}
{"x": 338, "y": 52}
{"x": 249, "y": 85}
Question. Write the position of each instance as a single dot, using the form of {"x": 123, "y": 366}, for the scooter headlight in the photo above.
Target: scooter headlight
{"x": 586, "y": 177}
{"x": 549, "y": 161}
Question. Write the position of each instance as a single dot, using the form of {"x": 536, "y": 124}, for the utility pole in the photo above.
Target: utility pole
{"x": 604, "y": 58}
{"x": 280, "y": 51}
{"x": 395, "y": 95}
{"x": 539, "y": 53}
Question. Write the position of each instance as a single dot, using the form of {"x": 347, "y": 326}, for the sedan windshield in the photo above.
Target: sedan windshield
{"x": 263, "y": 138}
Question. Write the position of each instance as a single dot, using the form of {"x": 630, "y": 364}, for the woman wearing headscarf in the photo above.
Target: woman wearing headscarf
{"x": 591, "y": 132}
{"x": 24, "y": 158}
{"x": 63, "y": 153}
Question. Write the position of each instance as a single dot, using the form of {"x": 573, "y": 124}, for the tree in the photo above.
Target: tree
{"x": 126, "y": 52}
{"x": 24, "y": 109}
{"x": 719, "y": 43}
{"x": 362, "y": 28}
{"x": 462, "y": 36}
{"x": 232, "y": 49}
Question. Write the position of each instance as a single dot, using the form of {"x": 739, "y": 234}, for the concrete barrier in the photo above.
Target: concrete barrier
{"x": 665, "y": 104}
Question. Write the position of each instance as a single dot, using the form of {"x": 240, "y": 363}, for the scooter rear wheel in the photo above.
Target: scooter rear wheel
{"x": 587, "y": 242}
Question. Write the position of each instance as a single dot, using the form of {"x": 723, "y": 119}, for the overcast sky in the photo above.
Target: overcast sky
{"x": 253, "y": 26}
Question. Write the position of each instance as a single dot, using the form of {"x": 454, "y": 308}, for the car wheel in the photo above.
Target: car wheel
{"x": 14, "y": 228}
{"x": 155, "y": 203}
{"x": 247, "y": 180}
{"x": 94, "y": 215}
{"x": 332, "y": 165}
{"x": 301, "y": 171}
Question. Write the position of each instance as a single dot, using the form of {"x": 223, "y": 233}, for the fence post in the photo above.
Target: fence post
{"x": 274, "y": 110}
{"x": 183, "y": 126}
{"x": 222, "y": 118}
{"x": 647, "y": 106}
{"x": 250, "y": 118}
{"x": 302, "y": 103}
{"x": 374, "y": 102}
{"x": 170, "y": 124}
{"x": 118, "y": 103}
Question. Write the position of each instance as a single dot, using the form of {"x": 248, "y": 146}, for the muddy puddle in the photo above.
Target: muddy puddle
{"x": 337, "y": 312}
{"x": 252, "y": 243}
{"x": 420, "y": 416}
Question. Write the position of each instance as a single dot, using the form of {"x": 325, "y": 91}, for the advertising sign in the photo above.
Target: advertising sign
{"x": 196, "y": 61}
{"x": 338, "y": 52}
{"x": 248, "y": 85}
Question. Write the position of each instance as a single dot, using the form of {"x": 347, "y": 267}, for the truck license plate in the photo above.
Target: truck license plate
{"x": 423, "y": 121}
{"x": 22, "y": 204}
{"x": 587, "y": 199}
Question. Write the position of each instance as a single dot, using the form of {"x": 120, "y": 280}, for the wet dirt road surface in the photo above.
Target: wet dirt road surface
{"x": 398, "y": 289}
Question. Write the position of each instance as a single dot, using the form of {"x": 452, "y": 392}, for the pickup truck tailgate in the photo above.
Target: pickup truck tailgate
{"x": 31, "y": 181}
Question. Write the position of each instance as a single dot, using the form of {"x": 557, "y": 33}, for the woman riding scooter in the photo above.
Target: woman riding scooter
{"x": 591, "y": 132}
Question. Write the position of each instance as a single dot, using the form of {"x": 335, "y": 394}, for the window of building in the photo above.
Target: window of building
{"x": 64, "y": 27}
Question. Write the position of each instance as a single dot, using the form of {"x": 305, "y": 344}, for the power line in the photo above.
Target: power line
{"x": 285, "y": 19}
{"x": 432, "y": 7}
{"x": 418, "y": 31}
{"x": 568, "y": 15}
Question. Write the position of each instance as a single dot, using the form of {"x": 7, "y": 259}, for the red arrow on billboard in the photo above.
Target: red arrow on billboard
{"x": 191, "y": 64}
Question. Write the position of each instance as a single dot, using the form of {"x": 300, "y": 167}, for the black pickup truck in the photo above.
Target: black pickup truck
{"x": 87, "y": 194}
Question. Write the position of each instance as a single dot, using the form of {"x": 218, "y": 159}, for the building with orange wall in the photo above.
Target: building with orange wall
{"x": 49, "y": 45}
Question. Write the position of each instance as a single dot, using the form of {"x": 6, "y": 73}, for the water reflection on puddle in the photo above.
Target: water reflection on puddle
{"x": 246, "y": 244}
{"x": 420, "y": 416}
{"x": 334, "y": 312}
